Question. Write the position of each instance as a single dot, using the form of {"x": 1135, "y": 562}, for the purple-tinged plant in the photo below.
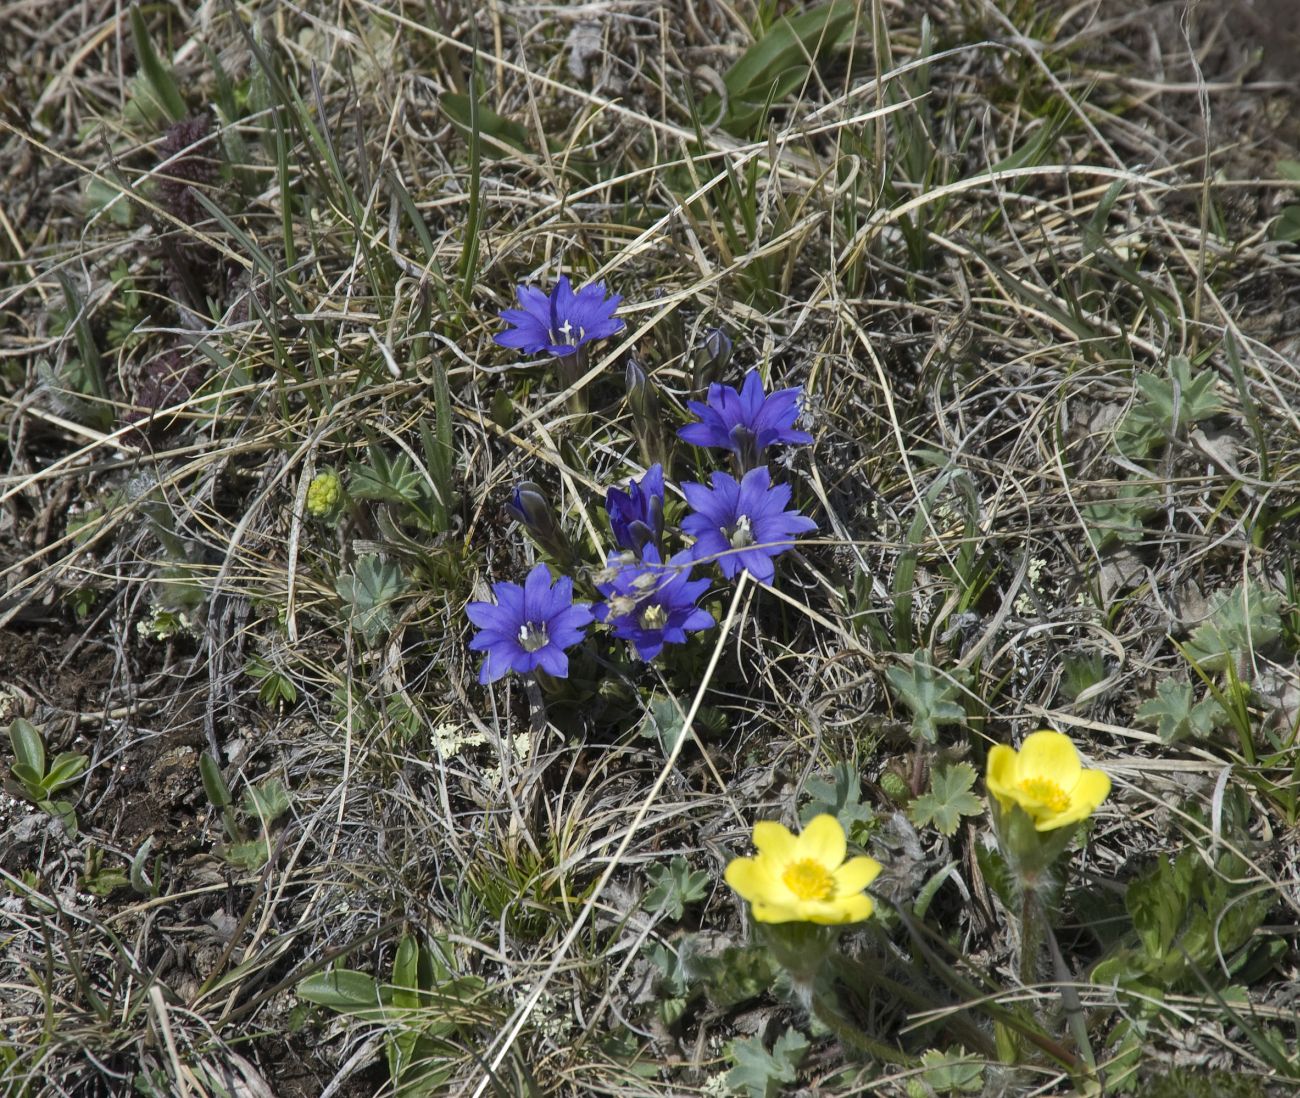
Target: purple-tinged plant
{"x": 529, "y": 505}
{"x": 711, "y": 358}
{"x": 528, "y": 627}
{"x": 742, "y": 525}
{"x": 636, "y": 517}
{"x": 651, "y": 603}
{"x": 562, "y": 321}
{"x": 647, "y": 417}
{"x": 745, "y": 422}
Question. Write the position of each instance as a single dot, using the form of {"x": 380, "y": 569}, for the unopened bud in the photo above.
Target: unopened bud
{"x": 529, "y": 505}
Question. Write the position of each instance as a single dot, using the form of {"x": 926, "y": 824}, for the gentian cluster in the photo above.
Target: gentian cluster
{"x": 648, "y": 596}
{"x": 652, "y": 603}
{"x": 744, "y": 524}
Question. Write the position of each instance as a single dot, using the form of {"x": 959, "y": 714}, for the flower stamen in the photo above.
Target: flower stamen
{"x": 809, "y": 880}
{"x": 532, "y": 636}
{"x": 741, "y": 535}
{"x": 654, "y": 616}
{"x": 1046, "y": 792}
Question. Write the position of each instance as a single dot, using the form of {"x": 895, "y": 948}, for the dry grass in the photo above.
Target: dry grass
{"x": 966, "y": 263}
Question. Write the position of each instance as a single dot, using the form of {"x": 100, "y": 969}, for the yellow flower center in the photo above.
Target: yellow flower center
{"x": 1046, "y": 792}
{"x": 809, "y": 880}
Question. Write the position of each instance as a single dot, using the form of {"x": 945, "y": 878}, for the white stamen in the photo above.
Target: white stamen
{"x": 532, "y": 636}
{"x": 742, "y": 535}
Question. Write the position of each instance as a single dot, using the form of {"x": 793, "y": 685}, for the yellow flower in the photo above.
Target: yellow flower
{"x": 804, "y": 878}
{"x": 323, "y": 493}
{"x": 1046, "y": 779}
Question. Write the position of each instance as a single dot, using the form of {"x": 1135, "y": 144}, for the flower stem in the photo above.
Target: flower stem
{"x": 1032, "y": 938}
{"x": 826, "y": 1012}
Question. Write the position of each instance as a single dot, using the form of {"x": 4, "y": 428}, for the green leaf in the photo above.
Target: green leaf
{"x": 67, "y": 767}
{"x": 1241, "y": 622}
{"x": 214, "y": 785}
{"x": 927, "y": 695}
{"x": 406, "y": 973}
{"x": 776, "y": 65}
{"x": 663, "y": 721}
{"x": 30, "y": 779}
{"x": 673, "y": 886}
{"x": 267, "y": 801}
{"x": 345, "y": 990}
{"x": 997, "y": 874}
{"x": 390, "y": 479}
{"x": 840, "y": 795}
{"x": 955, "y": 1071}
{"x": 1167, "y": 407}
{"x": 949, "y": 799}
{"x": 159, "y": 76}
{"x": 29, "y": 747}
{"x": 139, "y": 876}
{"x": 63, "y": 812}
{"x": 274, "y": 687}
{"x": 671, "y": 985}
{"x": 759, "y": 1073}
{"x": 1123, "y": 517}
{"x": 250, "y": 854}
{"x": 368, "y": 592}
{"x": 501, "y": 131}
{"x": 1174, "y": 716}
{"x": 1287, "y": 227}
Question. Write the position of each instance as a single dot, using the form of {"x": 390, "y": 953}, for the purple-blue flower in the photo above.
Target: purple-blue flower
{"x": 636, "y": 517}
{"x": 742, "y": 525}
{"x": 651, "y": 603}
{"x": 528, "y": 627}
{"x": 562, "y": 321}
{"x": 747, "y": 421}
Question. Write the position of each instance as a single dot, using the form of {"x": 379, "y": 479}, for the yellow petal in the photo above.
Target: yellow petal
{"x": 774, "y": 913}
{"x": 855, "y": 874}
{"x": 773, "y": 840}
{"x": 1090, "y": 791}
{"x": 1049, "y": 755}
{"x": 850, "y": 909}
{"x": 750, "y": 880}
{"x": 1001, "y": 774}
{"x": 823, "y": 841}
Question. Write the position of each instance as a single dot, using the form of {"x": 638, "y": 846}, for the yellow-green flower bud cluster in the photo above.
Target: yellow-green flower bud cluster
{"x": 324, "y": 493}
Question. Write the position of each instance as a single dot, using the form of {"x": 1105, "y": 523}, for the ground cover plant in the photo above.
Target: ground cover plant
{"x": 650, "y": 549}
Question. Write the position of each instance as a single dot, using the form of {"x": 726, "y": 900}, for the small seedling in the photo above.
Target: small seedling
{"x": 368, "y": 593}
{"x": 262, "y": 804}
{"x": 839, "y": 794}
{"x": 39, "y": 785}
{"x": 761, "y": 1074}
{"x": 673, "y": 886}
{"x": 1176, "y": 717}
{"x": 424, "y": 1009}
{"x": 274, "y": 688}
{"x": 931, "y": 698}
{"x": 949, "y": 799}
{"x": 1240, "y": 623}
{"x": 1167, "y": 408}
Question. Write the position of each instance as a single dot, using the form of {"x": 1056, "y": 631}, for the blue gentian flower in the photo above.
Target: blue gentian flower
{"x": 744, "y": 525}
{"x": 562, "y": 321}
{"x": 636, "y": 517}
{"x": 651, "y": 603}
{"x": 528, "y": 627}
{"x": 746, "y": 422}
